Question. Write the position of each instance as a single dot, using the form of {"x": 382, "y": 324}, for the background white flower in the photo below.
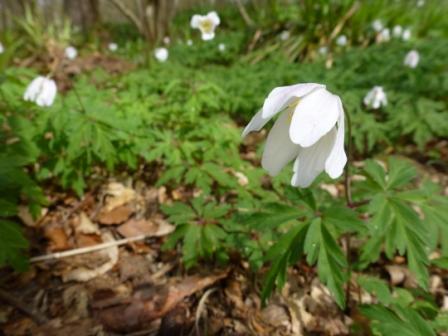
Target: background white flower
{"x": 284, "y": 35}
{"x": 113, "y": 46}
{"x": 406, "y": 36}
{"x": 189, "y": 43}
{"x": 161, "y": 54}
{"x": 323, "y": 50}
{"x": 376, "y": 98}
{"x": 222, "y": 47}
{"x": 384, "y": 35}
{"x": 166, "y": 40}
{"x": 42, "y": 91}
{"x": 309, "y": 130}
{"x": 412, "y": 58}
{"x": 397, "y": 31}
{"x": 2, "y": 48}
{"x": 341, "y": 40}
{"x": 206, "y": 24}
{"x": 71, "y": 52}
{"x": 420, "y": 3}
{"x": 377, "y": 25}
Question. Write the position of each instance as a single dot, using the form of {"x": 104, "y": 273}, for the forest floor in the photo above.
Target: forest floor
{"x": 132, "y": 286}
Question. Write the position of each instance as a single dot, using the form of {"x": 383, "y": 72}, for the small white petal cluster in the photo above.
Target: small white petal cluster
{"x": 397, "y": 32}
{"x": 384, "y": 35}
{"x": 377, "y": 25}
{"x": 161, "y": 54}
{"x": 406, "y": 36}
{"x": 284, "y": 35}
{"x": 412, "y": 58}
{"x": 323, "y": 50}
{"x": 222, "y": 47}
{"x": 375, "y": 98}
{"x": 341, "y": 40}
{"x": 309, "y": 130}
{"x": 166, "y": 40}
{"x": 2, "y": 48}
{"x": 189, "y": 43}
{"x": 71, "y": 52}
{"x": 113, "y": 46}
{"x": 206, "y": 24}
{"x": 420, "y": 3}
{"x": 42, "y": 91}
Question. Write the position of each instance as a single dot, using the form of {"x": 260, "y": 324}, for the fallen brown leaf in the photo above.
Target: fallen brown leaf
{"x": 151, "y": 303}
{"x": 116, "y": 216}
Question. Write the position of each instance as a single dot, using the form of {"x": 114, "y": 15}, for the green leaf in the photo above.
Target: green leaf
{"x": 375, "y": 286}
{"x": 12, "y": 244}
{"x": 400, "y": 173}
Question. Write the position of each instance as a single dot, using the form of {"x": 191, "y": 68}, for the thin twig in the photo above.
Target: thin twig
{"x": 129, "y": 14}
{"x": 88, "y": 249}
{"x": 244, "y": 13}
{"x": 200, "y": 309}
{"x": 343, "y": 20}
{"x": 14, "y": 301}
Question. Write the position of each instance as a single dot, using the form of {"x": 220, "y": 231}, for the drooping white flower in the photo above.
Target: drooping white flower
{"x": 309, "y": 130}
{"x": 113, "y": 46}
{"x": 42, "y": 91}
{"x": 397, "y": 31}
{"x": 375, "y": 98}
{"x": 189, "y": 43}
{"x": 2, "y": 48}
{"x": 284, "y": 35}
{"x": 412, "y": 58}
{"x": 377, "y": 25}
{"x": 406, "y": 36}
{"x": 71, "y": 52}
{"x": 222, "y": 47}
{"x": 161, "y": 54}
{"x": 206, "y": 24}
{"x": 166, "y": 40}
{"x": 384, "y": 35}
{"x": 341, "y": 40}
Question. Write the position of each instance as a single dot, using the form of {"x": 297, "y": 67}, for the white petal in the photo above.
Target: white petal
{"x": 279, "y": 149}
{"x": 213, "y": 16}
{"x": 279, "y": 98}
{"x": 311, "y": 160}
{"x": 314, "y": 116}
{"x": 334, "y": 166}
{"x": 255, "y": 124}
{"x": 33, "y": 89}
{"x": 195, "y": 21}
{"x": 208, "y": 36}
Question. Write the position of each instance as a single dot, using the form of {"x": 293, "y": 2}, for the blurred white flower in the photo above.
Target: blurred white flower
{"x": 113, "y": 46}
{"x": 284, "y": 35}
{"x": 222, "y": 47}
{"x": 406, "y": 34}
{"x": 166, "y": 40}
{"x": 412, "y": 58}
{"x": 377, "y": 25}
{"x": 323, "y": 50}
{"x": 71, "y": 52}
{"x": 189, "y": 43}
{"x": 2, "y": 48}
{"x": 397, "y": 31}
{"x": 161, "y": 54}
{"x": 375, "y": 98}
{"x": 42, "y": 91}
{"x": 384, "y": 35}
{"x": 420, "y": 3}
{"x": 341, "y": 40}
{"x": 310, "y": 129}
{"x": 206, "y": 24}
{"x": 242, "y": 179}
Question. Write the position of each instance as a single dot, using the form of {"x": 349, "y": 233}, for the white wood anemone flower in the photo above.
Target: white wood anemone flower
{"x": 377, "y": 25}
{"x": 412, "y": 58}
{"x": 206, "y": 24}
{"x": 406, "y": 36}
{"x": 341, "y": 40}
{"x": 397, "y": 31}
{"x": 71, "y": 52}
{"x": 309, "y": 130}
{"x": 221, "y": 47}
{"x": 161, "y": 54}
{"x": 375, "y": 98}
{"x": 384, "y": 35}
{"x": 113, "y": 46}
{"x": 42, "y": 91}
{"x": 2, "y": 48}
